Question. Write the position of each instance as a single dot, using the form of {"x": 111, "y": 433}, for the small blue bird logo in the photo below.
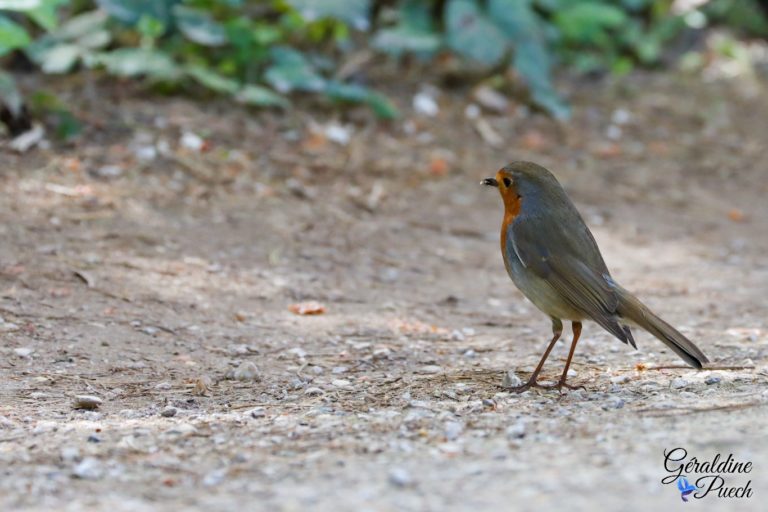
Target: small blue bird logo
{"x": 685, "y": 488}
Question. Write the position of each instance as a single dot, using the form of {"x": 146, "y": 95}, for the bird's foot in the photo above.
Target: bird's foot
{"x": 525, "y": 387}
{"x": 534, "y": 384}
{"x": 561, "y": 384}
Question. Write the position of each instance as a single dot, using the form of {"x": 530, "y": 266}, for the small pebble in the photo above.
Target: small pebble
{"x": 23, "y": 351}
{"x": 430, "y": 369}
{"x": 453, "y": 430}
{"x": 87, "y": 402}
{"x": 712, "y": 379}
{"x": 511, "y": 380}
{"x": 678, "y": 383}
{"x": 516, "y": 431}
{"x": 613, "y": 402}
{"x": 88, "y": 469}
{"x": 472, "y": 111}
{"x": 341, "y": 383}
{"x": 247, "y": 371}
{"x": 314, "y": 391}
{"x": 109, "y": 171}
{"x": 620, "y": 379}
{"x": 163, "y": 386}
{"x": 400, "y": 477}
{"x": 258, "y": 412}
{"x": 169, "y": 412}
{"x": 215, "y": 477}
{"x": 93, "y": 438}
{"x": 182, "y": 429}
{"x": 425, "y": 104}
{"x": 192, "y": 141}
{"x": 70, "y": 454}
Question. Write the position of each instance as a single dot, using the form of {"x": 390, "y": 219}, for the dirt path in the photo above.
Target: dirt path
{"x": 163, "y": 287}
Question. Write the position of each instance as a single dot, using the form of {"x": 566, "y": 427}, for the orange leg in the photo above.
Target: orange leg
{"x": 557, "y": 331}
{"x": 576, "y": 333}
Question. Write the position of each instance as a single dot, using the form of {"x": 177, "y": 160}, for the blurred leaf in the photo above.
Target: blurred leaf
{"x": 264, "y": 34}
{"x": 588, "y": 21}
{"x": 517, "y": 19}
{"x": 59, "y": 51}
{"x": 381, "y": 105}
{"x": 471, "y": 34}
{"x": 213, "y": 80}
{"x": 12, "y": 35}
{"x": 532, "y": 62}
{"x": 353, "y": 12}
{"x": 745, "y": 15}
{"x": 413, "y": 33}
{"x": 622, "y": 66}
{"x": 199, "y": 26}
{"x": 67, "y": 126}
{"x": 290, "y": 71}
{"x": 44, "y": 14}
{"x": 94, "y": 40}
{"x": 130, "y": 12}
{"x": 81, "y": 25}
{"x": 151, "y": 27}
{"x": 45, "y": 104}
{"x": 260, "y": 97}
{"x": 358, "y": 94}
{"x": 406, "y": 39}
{"x": 416, "y": 14}
{"x": 60, "y": 58}
{"x": 531, "y": 56}
{"x": 20, "y": 5}
{"x": 139, "y": 62}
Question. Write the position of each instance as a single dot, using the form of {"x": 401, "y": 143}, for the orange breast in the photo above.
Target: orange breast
{"x": 511, "y": 210}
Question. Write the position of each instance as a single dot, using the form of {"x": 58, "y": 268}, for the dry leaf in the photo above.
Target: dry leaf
{"x": 438, "y": 166}
{"x": 202, "y": 386}
{"x": 736, "y": 215}
{"x": 307, "y": 308}
{"x": 533, "y": 140}
{"x": 608, "y": 151}
{"x": 416, "y": 327}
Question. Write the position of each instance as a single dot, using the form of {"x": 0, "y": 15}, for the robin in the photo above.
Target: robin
{"x": 552, "y": 257}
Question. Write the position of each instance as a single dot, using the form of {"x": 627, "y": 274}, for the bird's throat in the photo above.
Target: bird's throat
{"x": 511, "y": 209}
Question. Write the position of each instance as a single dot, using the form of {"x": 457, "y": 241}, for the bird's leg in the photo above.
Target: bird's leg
{"x": 557, "y": 331}
{"x": 576, "y": 333}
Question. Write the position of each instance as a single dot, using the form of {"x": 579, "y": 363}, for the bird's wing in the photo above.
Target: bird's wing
{"x": 544, "y": 249}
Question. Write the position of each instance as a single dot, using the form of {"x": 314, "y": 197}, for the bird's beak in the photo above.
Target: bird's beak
{"x": 491, "y": 182}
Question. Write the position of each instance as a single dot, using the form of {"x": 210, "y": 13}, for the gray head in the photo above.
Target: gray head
{"x": 525, "y": 180}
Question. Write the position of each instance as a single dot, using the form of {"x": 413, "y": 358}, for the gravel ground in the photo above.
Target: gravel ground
{"x": 151, "y": 276}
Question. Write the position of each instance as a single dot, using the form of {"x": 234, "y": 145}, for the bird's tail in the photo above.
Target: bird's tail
{"x": 632, "y": 309}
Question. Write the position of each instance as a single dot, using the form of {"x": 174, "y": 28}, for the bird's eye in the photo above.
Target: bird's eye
{"x": 507, "y": 182}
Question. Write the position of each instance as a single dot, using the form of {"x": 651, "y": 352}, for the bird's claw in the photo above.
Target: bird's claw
{"x": 534, "y": 384}
{"x": 561, "y": 384}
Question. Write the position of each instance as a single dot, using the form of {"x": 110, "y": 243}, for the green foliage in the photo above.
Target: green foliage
{"x": 415, "y": 31}
{"x": 260, "y": 53}
{"x": 595, "y": 35}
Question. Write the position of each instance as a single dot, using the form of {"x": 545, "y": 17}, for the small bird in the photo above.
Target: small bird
{"x": 552, "y": 257}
